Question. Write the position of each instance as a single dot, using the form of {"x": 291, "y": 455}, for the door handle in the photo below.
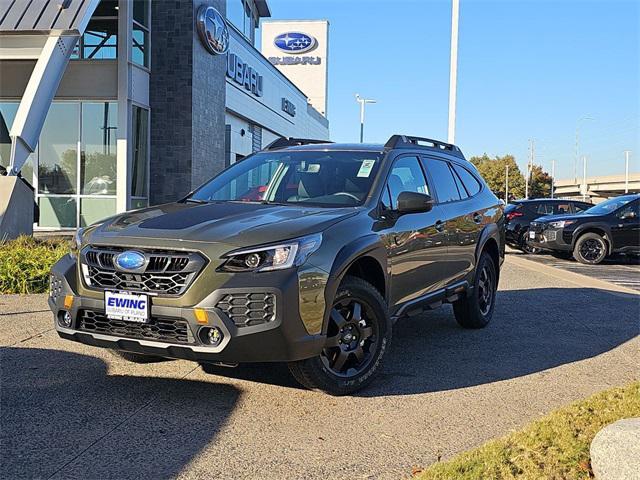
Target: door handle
{"x": 477, "y": 217}
{"x": 439, "y": 226}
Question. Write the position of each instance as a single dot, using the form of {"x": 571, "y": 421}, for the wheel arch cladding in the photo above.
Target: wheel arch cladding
{"x": 598, "y": 230}
{"x": 489, "y": 243}
{"x": 369, "y": 269}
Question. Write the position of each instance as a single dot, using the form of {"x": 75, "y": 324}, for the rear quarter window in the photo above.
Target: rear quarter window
{"x": 470, "y": 182}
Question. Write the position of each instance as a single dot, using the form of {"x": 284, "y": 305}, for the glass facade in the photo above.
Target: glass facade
{"x": 140, "y": 34}
{"x": 100, "y": 40}
{"x": 75, "y": 162}
{"x": 241, "y": 13}
{"x": 140, "y": 147}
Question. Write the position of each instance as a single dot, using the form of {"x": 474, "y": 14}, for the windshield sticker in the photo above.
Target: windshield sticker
{"x": 365, "y": 168}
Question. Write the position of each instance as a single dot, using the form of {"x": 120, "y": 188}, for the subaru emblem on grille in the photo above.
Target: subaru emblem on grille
{"x": 130, "y": 260}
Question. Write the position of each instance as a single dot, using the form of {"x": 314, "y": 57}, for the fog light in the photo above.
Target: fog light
{"x": 211, "y": 336}
{"x": 64, "y": 319}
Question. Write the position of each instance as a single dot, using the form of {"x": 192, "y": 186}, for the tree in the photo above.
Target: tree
{"x": 540, "y": 184}
{"x": 493, "y": 170}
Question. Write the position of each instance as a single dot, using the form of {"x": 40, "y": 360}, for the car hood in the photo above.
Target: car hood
{"x": 240, "y": 224}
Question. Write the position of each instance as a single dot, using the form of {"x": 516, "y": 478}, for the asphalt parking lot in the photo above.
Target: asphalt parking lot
{"x": 73, "y": 411}
{"x": 620, "y": 270}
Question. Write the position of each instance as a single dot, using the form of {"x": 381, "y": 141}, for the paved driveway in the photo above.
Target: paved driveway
{"x": 72, "y": 411}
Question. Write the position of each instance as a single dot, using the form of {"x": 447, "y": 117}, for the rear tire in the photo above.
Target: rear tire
{"x": 358, "y": 335}
{"x": 138, "y": 357}
{"x": 590, "y": 249}
{"x": 476, "y": 309}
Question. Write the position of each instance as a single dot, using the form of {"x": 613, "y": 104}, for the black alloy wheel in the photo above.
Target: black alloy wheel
{"x": 590, "y": 249}
{"x": 485, "y": 290}
{"x": 351, "y": 339}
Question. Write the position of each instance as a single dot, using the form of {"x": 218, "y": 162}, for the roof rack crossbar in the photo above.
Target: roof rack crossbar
{"x": 283, "y": 142}
{"x": 396, "y": 141}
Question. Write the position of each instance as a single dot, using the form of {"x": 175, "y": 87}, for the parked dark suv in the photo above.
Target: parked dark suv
{"x": 304, "y": 253}
{"x": 612, "y": 226}
{"x": 520, "y": 213}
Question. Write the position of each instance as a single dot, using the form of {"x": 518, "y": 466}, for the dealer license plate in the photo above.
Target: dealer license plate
{"x": 126, "y": 306}
{"x": 532, "y": 235}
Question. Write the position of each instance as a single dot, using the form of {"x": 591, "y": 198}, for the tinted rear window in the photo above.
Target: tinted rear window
{"x": 511, "y": 207}
{"x": 470, "y": 182}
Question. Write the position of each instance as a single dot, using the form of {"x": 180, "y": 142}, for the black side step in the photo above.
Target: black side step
{"x": 432, "y": 300}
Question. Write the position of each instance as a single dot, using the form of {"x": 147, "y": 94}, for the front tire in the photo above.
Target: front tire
{"x": 476, "y": 309}
{"x": 590, "y": 249}
{"x": 358, "y": 335}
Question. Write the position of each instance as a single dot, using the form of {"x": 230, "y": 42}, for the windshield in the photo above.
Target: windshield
{"x": 610, "y": 205}
{"x": 328, "y": 178}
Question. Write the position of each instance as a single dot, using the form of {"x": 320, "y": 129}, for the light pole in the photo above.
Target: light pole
{"x": 575, "y": 160}
{"x": 453, "y": 71}
{"x": 362, "y": 102}
{"x": 626, "y": 170}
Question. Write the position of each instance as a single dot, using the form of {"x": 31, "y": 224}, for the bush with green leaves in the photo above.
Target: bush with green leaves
{"x": 25, "y": 263}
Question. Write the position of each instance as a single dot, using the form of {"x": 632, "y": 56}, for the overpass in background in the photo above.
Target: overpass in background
{"x": 598, "y": 188}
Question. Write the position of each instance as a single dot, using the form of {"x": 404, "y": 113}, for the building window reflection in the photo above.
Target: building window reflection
{"x": 140, "y": 33}
{"x": 98, "y": 156}
{"x": 140, "y": 161}
{"x": 58, "y": 151}
{"x": 100, "y": 40}
{"x": 242, "y": 14}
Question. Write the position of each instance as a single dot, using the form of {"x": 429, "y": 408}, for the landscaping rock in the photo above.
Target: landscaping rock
{"x": 615, "y": 451}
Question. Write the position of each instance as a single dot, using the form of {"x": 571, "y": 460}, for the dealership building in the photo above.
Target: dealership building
{"x": 156, "y": 97}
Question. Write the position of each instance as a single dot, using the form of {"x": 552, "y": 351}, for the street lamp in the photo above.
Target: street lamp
{"x": 362, "y": 102}
{"x": 453, "y": 71}
{"x": 575, "y": 160}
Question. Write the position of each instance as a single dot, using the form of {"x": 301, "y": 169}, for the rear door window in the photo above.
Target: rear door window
{"x": 562, "y": 208}
{"x": 443, "y": 181}
{"x": 580, "y": 207}
{"x": 544, "y": 209}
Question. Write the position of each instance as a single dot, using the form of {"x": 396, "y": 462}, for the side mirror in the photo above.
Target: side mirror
{"x": 628, "y": 215}
{"x": 414, "y": 202}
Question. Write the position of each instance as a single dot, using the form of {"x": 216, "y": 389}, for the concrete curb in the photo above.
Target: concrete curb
{"x": 576, "y": 278}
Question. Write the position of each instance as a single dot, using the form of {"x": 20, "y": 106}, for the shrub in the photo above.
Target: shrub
{"x": 25, "y": 263}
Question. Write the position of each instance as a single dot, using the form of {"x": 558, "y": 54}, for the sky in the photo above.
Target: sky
{"x": 526, "y": 70}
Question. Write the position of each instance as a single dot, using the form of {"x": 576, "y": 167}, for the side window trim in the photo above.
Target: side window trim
{"x": 459, "y": 183}
{"x": 473, "y": 175}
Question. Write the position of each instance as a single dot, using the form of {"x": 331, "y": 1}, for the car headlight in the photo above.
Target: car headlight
{"x": 272, "y": 257}
{"x": 561, "y": 223}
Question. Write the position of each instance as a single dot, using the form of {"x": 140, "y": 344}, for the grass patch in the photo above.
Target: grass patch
{"x": 25, "y": 263}
{"x": 555, "y": 447}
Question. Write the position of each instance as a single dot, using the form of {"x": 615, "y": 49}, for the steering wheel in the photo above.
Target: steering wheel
{"x": 347, "y": 194}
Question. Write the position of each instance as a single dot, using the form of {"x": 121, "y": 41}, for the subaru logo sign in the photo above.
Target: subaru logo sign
{"x": 213, "y": 30}
{"x": 130, "y": 260}
{"x": 295, "y": 42}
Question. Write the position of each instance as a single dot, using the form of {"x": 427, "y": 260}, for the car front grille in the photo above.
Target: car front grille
{"x": 167, "y": 273}
{"x": 248, "y": 309}
{"x": 173, "y": 330}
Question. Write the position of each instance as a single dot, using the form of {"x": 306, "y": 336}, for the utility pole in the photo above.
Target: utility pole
{"x": 453, "y": 71}
{"x": 506, "y": 186}
{"x": 584, "y": 178}
{"x": 553, "y": 176}
{"x": 529, "y": 167}
{"x": 362, "y": 102}
{"x": 626, "y": 170}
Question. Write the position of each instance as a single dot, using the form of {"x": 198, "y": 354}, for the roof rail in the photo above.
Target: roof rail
{"x": 283, "y": 142}
{"x": 407, "y": 141}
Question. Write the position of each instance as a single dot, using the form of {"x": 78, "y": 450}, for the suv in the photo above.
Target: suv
{"x": 520, "y": 213}
{"x": 305, "y": 253}
{"x": 612, "y": 226}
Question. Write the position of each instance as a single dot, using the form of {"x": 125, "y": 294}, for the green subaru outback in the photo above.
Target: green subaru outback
{"x": 306, "y": 253}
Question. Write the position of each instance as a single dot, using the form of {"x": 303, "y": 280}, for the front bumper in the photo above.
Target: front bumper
{"x": 282, "y": 339}
{"x": 547, "y": 238}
